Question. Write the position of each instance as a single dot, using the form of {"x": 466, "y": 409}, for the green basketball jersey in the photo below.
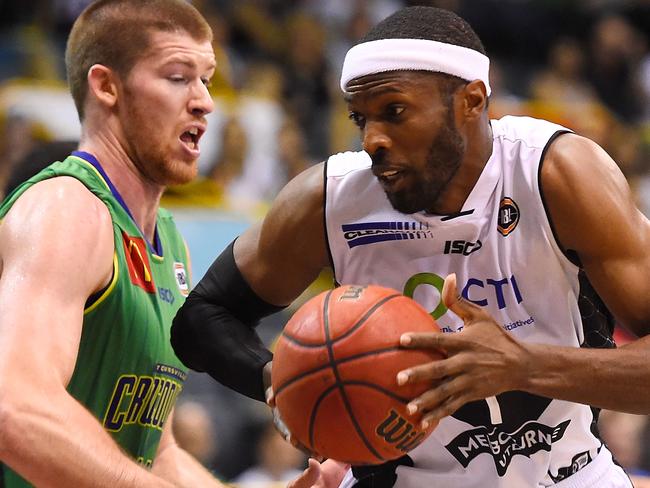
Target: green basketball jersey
{"x": 126, "y": 373}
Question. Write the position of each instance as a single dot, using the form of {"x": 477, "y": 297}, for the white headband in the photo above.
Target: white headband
{"x": 415, "y": 54}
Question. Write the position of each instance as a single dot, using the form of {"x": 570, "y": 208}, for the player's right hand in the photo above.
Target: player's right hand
{"x": 282, "y": 428}
{"x": 326, "y": 475}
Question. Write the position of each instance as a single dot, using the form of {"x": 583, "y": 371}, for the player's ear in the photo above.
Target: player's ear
{"x": 474, "y": 99}
{"x": 102, "y": 85}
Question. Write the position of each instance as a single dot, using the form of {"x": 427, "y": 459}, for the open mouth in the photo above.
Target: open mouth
{"x": 191, "y": 137}
{"x": 388, "y": 176}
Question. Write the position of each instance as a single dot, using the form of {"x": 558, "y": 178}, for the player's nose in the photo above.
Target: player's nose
{"x": 201, "y": 102}
{"x": 375, "y": 138}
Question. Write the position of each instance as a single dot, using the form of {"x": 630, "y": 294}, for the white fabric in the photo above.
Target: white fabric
{"x": 600, "y": 473}
{"x": 415, "y": 54}
{"x": 522, "y": 278}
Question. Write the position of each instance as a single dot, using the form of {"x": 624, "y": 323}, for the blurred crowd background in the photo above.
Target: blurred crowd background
{"x": 581, "y": 63}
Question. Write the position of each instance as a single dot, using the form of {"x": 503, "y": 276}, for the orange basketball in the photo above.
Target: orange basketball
{"x": 334, "y": 374}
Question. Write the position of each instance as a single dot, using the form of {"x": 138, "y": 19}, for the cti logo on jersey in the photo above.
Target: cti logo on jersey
{"x": 137, "y": 261}
{"x": 372, "y": 232}
{"x": 508, "y": 216}
{"x": 181, "y": 278}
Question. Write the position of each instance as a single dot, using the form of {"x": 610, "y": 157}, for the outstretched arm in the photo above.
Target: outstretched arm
{"x": 56, "y": 249}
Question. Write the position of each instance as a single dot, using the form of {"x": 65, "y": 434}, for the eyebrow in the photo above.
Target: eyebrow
{"x": 189, "y": 63}
{"x": 374, "y": 92}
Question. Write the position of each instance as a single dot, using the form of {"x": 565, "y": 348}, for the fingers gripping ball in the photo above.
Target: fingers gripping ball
{"x": 334, "y": 374}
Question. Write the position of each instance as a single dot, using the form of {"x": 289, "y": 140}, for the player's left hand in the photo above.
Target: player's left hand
{"x": 326, "y": 475}
{"x": 481, "y": 361}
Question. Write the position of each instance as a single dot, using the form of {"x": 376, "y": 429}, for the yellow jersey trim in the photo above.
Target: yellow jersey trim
{"x": 94, "y": 170}
{"x": 110, "y": 288}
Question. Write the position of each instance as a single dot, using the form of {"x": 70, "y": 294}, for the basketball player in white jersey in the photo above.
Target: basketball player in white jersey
{"x": 535, "y": 227}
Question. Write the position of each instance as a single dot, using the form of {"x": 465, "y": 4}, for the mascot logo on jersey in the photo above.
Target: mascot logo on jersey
{"x": 508, "y": 216}
{"x": 504, "y": 429}
{"x": 137, "y": 260}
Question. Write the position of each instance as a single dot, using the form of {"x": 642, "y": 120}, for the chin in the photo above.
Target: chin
{"x": 180, "y": 173}
{"x": 404, "y": 205}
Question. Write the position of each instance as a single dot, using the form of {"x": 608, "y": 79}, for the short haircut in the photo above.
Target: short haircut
{"x": 116, "y": 33}
{"x": 433, "y": 24}
{"x": 430, "y": 23}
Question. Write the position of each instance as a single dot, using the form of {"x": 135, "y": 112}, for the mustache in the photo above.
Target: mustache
{"x": 379, "y": 158}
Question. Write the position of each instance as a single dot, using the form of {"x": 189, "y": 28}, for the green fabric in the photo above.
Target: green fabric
{"x": 126, "y": 372}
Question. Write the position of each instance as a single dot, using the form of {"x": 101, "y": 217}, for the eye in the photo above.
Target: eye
{"x": 358, "y": 119}
{"x": 394, "y": 111}
{"x": 177, "y": 79}
{"x": 207, "y": 82}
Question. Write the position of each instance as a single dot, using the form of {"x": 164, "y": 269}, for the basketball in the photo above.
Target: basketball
{"x": 334, "y": 374}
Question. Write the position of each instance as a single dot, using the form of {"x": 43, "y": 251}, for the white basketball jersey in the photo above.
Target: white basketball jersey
{"x": 502, "y": 248}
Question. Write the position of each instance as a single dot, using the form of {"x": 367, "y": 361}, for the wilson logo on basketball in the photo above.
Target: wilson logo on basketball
{"x": 395, "y": 429}
{"x": 137, "y": 261}
{"x": 508, "y": 216}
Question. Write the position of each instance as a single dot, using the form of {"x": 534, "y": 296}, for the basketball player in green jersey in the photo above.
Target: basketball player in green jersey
{"x": 92, "y": 271}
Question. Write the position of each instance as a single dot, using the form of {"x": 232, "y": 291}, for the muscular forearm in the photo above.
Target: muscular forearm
{"x": 53, "y": 441}
{"x": 615, "y": 379}
{"x": 176, "y": 465}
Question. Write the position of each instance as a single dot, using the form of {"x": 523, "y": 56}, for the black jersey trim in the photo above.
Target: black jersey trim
{"x": 327, "y": 238}
{"x": 381, "y": 475}
{"x": 457, "y": 214}
{"x": 570, "y": 254}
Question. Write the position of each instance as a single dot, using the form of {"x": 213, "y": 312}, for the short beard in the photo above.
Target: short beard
{"x": 149, "y": 157}
{"x": 443, "y": 160}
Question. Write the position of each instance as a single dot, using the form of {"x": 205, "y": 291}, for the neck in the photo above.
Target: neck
{"x": 479, "y": 149}
{"x": 141, "y": 195}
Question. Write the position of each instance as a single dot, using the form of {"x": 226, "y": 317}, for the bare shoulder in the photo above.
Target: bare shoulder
{"x": 289, "y": 242}
{"x": 58, "y": 223}
{"x": 585, "y": 189}
{"x": 302, "y": 196}
{"x": 573, "y": 158}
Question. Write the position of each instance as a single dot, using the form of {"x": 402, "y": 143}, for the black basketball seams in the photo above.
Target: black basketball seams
{"x": 336, "y": 362}
{"x": 372, "y": 386}
{"x": 332, "y": 363}
{"x": 359, "y": 323}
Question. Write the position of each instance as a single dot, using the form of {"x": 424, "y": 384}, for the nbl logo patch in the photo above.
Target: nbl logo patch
{"x": 181, "y": 278}
{"x": 508, "y": 216}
